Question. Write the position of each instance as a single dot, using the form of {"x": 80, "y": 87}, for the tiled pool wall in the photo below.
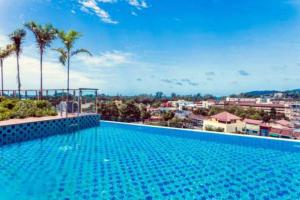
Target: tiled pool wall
{"x": 33, "y": 130}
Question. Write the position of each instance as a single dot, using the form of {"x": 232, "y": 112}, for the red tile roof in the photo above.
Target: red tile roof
{"x": 284, "y": 132}
{"x": 225, "y": 117}
{"x": 253, "y": 121}
{"x": 284, "y": 123}
{"x": 197, "y": 117}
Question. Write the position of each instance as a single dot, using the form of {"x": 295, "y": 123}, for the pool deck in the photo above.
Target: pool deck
{"x": 33, "y": 119}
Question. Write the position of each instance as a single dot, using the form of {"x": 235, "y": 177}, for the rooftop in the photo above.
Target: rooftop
{"x": 225, "y": 117}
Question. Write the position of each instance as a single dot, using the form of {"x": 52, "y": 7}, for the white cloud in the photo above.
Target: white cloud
{"x": 106, "y": 59}
{"x": 134, "y": 13}
{"x": 54, "y": 74}
{"x": 138, "y": 3}
{"x": 107, "y": 1}
{"x": 93, "y": 7}
{"x": 4, "y": 40}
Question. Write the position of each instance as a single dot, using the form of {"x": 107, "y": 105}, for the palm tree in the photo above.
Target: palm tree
{"x": 44, "y": 36}
{"x": 4, "y": 53}
{"x": 67, "y": 52}
{"x": 17, "y": 37}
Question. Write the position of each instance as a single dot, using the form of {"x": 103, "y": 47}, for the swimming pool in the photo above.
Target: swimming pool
{"x": 119, "y": 161}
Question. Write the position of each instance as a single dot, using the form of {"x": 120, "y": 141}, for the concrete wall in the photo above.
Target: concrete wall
{"x": 229, "y": 128}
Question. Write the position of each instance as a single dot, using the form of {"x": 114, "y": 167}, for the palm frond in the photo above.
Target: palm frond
{"x": 44, "y": 35}
{"x": 17, "y": 37}
{"x": 62, "y": 59}
{"x": 79, "y": 51}
{"x": 4, "y": 53}
{"x": 69, "y": 38}
{"x": 63, "y": 55}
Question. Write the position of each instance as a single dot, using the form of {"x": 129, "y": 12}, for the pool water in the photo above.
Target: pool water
{"x": 117, "y": 161}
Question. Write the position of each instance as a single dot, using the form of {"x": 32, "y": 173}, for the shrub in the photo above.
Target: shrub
{"x": 30, "y": 108}
{"x": 26, "y": 108}
{"x": 211, "y": 128}
{"x": 42, "y": 104}
{"x": 5, "y": 113}
{"x": 8, "y": 103}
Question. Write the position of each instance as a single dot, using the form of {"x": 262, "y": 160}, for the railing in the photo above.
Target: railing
{"x": 75, "y": 101}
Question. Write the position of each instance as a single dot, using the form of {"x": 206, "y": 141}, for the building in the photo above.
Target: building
{"x": 224, "y": 121}
{"x": 279, "y": 128}
{"x": 182, "y": 114}
{"x": 255, "y": 127}
{"x": 293, "y": 113}
{"x": 281, "y": 132}
{"x": 208, "y": 103}
{"x": 266, "y": 107}
{"x": 196, "y": 120}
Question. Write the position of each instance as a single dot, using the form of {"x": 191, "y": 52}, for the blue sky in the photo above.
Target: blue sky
{"x": 143, "y": 46}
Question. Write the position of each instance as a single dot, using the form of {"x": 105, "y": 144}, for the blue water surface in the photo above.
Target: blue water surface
{"x": 117, "y": 161}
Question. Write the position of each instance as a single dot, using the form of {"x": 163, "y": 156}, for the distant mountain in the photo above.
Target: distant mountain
{"x": 259, "y": 93}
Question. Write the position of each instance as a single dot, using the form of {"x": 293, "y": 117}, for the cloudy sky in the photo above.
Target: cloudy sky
{"x": 143, "y": 46}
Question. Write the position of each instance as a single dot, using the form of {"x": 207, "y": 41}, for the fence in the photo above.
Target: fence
{"x": 74, "y": 101}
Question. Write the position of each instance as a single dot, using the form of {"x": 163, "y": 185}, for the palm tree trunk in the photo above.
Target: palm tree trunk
{"x": 2, "y": 90}
{"x": 68, "y": 82}
{"x": 18, "y": 77}
{"x": 41, "y": 71}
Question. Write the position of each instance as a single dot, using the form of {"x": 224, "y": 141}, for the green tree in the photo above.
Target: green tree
{"x": 156, "y": 104}
{"x": 4, "y": 53}
{"x": 144, "y": 113}
{"x": 201, "y": 111}
{"x": 173, "y": 96}
{"x": 168, "y": 115}
{"x": 273, "y": 113}
{"x": 67, "y": 52}
{"x": 129, "y": 112}
{"x": 108, "y": 111}
{"x": 266, "y": 117}
{"x": 159, "y": 95}
{"x": 44, "y": 35}
{"x": 17, "y": 37}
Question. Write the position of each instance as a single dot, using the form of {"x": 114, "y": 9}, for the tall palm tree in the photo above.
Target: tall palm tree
{"x": 4, "y": 53}
{"x": 67, "y": 52}
{"x": 44, "y": 35}
{"x": 17, "y": 37}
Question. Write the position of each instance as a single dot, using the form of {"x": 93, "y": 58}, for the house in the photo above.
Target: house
{"x": 224, "y": 121}
{"x": 208, "y": 103}
{"x": 281, "y": 132}
{"x": 196, "y": 120}
{"x": 182, "y": 114}
{"x": 256, "y": 127}
{"x": 282, "y": 124}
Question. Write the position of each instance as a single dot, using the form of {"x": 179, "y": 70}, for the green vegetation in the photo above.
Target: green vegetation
{"x": 210, "y": 128}
{"x": 168, "y": 115}
{"x": 128, "y": 111}
{"x": 14, "y": 108}
{"x": 109, "y": 111}
{"x": 250, "y": 113}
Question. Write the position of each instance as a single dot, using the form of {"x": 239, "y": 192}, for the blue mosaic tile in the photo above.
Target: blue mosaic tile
{"x": 126, "y": 162}
{"x": 30, "y": 131}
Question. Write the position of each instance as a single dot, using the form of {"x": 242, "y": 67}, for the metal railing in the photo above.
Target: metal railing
{"x": 76, "y": 101}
